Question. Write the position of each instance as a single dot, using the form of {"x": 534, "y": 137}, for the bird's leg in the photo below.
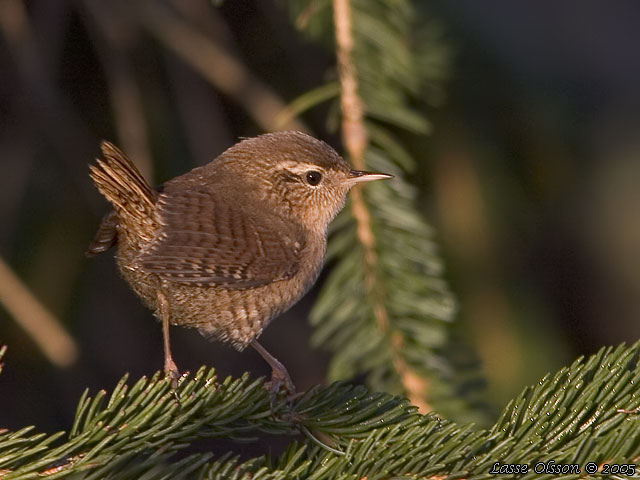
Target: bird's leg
{"x": 279, "y": 374}
{"x": 170, "y": 367}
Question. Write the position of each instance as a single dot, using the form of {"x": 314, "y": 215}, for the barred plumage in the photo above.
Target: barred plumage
{"x": 228, "y": 246}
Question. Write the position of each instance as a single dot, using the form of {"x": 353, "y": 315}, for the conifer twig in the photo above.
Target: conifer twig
{"x": 355, "y": 139}
{"x": 111, "y": 40}
{"x": 568, "y": 420}
{"x": 216, "y": 65}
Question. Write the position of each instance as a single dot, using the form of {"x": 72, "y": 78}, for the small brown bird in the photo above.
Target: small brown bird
{"x": 230, "y": 245}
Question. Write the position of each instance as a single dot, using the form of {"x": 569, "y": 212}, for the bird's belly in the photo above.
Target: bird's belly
{"x": 233, "y": 316}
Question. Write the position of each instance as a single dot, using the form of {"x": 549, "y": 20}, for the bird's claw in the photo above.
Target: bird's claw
{"x": 173, "y": 374}
{"x": 280, "y": 379}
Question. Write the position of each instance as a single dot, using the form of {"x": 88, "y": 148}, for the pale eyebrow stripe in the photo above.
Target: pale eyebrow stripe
{"x": 299, "y": 168}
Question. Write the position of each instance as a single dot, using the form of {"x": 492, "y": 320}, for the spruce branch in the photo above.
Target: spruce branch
{"x": 135, "y": 432}
{"x": 385, "y": 310}
{"x": 355, "y": 138}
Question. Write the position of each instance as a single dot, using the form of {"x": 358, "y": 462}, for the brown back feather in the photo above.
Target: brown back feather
{"x": 208, "y": 240}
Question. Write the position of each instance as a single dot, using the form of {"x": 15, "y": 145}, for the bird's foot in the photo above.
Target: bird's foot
{"x": 280, "y": 379}
{"x": 171, "y": 371}
{"x": 282, "y": 388}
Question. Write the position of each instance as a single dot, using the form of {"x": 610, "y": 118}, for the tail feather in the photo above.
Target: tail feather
{"x": 126, "y": 169}
{"x": 118, "y": 179}
{"x": 106, "y": 236}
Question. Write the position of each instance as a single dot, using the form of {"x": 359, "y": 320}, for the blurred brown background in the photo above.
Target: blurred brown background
{"x": 531, "y": 177}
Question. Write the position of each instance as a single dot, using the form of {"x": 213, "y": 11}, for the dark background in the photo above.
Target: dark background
{"x": 531, "y": 178}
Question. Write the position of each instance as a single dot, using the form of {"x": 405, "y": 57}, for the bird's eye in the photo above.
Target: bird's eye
{"x": 313, "y": 178}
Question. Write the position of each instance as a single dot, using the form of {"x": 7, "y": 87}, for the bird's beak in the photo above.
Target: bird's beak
{"x": 358, "y": 176}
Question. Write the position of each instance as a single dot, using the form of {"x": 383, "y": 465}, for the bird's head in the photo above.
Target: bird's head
{"x": 296, "y": 175}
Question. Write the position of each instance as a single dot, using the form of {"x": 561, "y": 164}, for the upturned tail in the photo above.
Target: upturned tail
{"x": 133, "y": 199}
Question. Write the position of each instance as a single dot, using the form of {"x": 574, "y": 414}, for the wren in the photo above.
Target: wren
{"x": 230, "y": 245}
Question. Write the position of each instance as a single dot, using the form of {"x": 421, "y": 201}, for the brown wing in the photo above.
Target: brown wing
{"x": 207, "y": 241}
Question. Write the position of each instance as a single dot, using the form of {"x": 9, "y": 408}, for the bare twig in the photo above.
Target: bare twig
{"x": 45, "y": 330}
{"x": 200, "y": 111}
{"x": 217, "y": 65}
{"x": 41, "y": 100}
{"x": 355, "y": 139}
{"x": 198, "y": 105}
{"x": 112, "y": 44}
{"x": 353, "y": 130}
